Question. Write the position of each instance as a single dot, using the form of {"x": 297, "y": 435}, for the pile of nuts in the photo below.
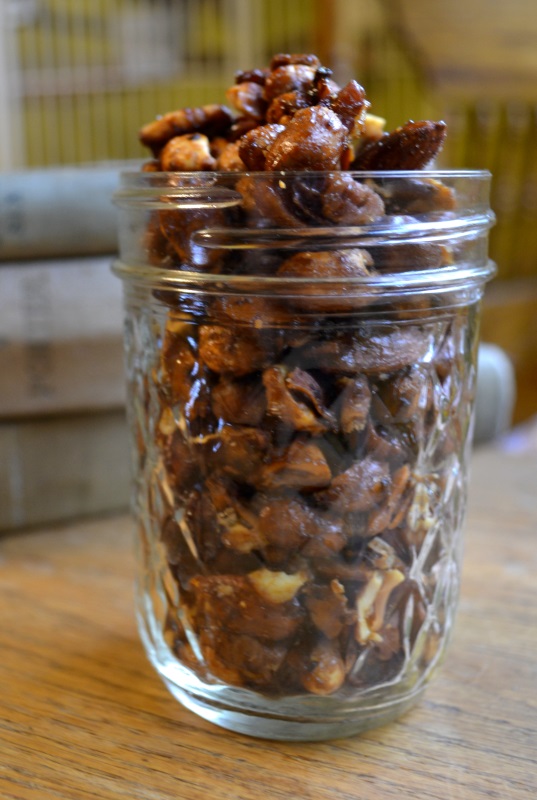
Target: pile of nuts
{"x": 293, "y": 431}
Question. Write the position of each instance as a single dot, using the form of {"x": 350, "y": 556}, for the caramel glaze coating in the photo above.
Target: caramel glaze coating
{"x": 211, "y": 120}
{"x": 315, "y": 138}
{"x": 412, "y": 146}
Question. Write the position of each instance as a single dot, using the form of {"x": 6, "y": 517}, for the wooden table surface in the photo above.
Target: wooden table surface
{"x": 82, "y": 715}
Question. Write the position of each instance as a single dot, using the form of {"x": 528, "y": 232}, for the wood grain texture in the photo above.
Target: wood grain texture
{"x": 83, "y": 716}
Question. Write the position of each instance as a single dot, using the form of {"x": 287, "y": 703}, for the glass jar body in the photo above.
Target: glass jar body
{"x": 300, "y": 452}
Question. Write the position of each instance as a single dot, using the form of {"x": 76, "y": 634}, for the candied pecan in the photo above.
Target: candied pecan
{"x": 304, "y": 386}
{"x": 197, "y": 408}
{"x": 200, "y": 526}
{"x": 339, "y": 265}
{"x": 233, "y": 603}
{"x": 236, "y": 526}
{"x": 412, "y": 196}
{"x": 241, "y": 660}
{"x": 229, "y": 159}
{"x": 181, "y": 463}
{"x": 408, "y": 257}
{"x": 302, "y": 466}
{"x": 259, "y": 313}
{"x": 391, "y": 644}
{"x": 398, "y": 397}
{"x": 187, "y": 153}
{"x": 289, "y": 524}
{"x": 411, "y": 146}
{"x": 238, "y": 451}
{"x": 288, "y": 78}
{"x": 289, "y": 400}
{"x": 218, "y": 145}
{"x": 362, "y": 487}
{"x": 283, "y": 107}
{"x": 254, "y": 144}
{"x": 239, "y": 401}
{"x": 252, "y": 75}
{"x": 178, "y": 553}
{"x": 353, "y": 404}
{"x": 178, "y": 225}
{"x": 327, "y": 264}
{"x": 396, "y": 504}
{"x": 347, "y": 202}
{"x": 421, "y": 514}
{"x": 314, "y": 139}
{"x": 375, "y": 353}
{"x": 285, "y": 522}
{"x": 177, "y": 360}
{"x": 324, "y": 672}
{"x": 387, "y": 444}
{"x": 324, "y": 88}
{"x": 351, "y": 105}
{"x": 266, "y": 203}
{"x": 234, "y": 351}
{"x": 337, "y": 197}
{"x": 327, "y": 607}
{"x": 241, "y": 126}
{"x": 211, "y": 120}
{"x": 248, "y": 98}
{"x": 339, "y": 566}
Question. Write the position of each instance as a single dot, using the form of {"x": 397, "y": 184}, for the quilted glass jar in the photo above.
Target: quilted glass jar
{"x": 301, "y": 358}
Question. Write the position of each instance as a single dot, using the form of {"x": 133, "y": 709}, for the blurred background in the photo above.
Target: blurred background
{"x": 78, "y": 78}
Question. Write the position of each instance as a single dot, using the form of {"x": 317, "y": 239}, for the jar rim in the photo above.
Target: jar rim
{"x": 438, "y": 280}
{"x": 467, "y": 223}
{"x": 134, "y": 183}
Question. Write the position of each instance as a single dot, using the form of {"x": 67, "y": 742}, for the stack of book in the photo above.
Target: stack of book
{"x": 63, "y": 437}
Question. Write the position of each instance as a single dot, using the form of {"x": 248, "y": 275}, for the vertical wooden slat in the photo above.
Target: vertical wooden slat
{"x": 507, "y": 172}
{"x": 324, "y": 14}
{"x": 527, "y": 232}
{"x": 12, "y": 137}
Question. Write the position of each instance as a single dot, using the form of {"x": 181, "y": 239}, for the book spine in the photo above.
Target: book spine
{"x": 57, "y": 212}
{"x": 61, "y": 337}
{"x": 60, "y": 468}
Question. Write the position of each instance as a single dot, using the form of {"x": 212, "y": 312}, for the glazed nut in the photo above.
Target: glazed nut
{"x": 314, "y": 139}
{"x": 411, "y": 146}
{"x": 188, "y": 153}
{"x": 210, "y": 119}
{"x": 248, "y": 98}
{"x": 288, "y": 78}
{"x": 229, "y": 160}
{"x": 232, "y": 603}
{"x": 295, "y": 399}
{"x": 326, "y": 670}
{"x": 253, "y": 146}
{"x": 303, "y": 466}
{"x": 351, "y": 105}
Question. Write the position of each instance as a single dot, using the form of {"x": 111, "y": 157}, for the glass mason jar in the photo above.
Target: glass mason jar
{"x": 301, "y": 359}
